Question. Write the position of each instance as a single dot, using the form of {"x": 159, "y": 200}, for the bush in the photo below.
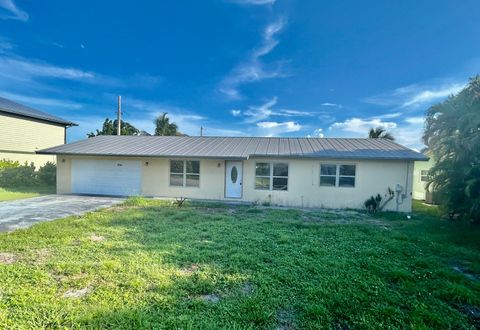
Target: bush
{"x": 373, "y": 203}
{"x": 12, "y": 174}
{"x": 20, "y": 176}
{"x": 47, "y": 174}
{"x": 6, "y": 163}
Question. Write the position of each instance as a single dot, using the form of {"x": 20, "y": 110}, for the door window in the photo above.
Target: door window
{"x": 234, "y": 174}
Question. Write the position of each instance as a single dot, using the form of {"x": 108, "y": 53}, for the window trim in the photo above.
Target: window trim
{"x": 271, "y": 176}
{"x": 337, "y": 175}
{"x": 184, "y": 174}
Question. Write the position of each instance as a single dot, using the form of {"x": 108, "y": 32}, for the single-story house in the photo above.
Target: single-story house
{"x": 305, "y": 172}
{"x": 25, "y": 130}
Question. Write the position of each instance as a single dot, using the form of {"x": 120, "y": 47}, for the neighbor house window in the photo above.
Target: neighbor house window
{"x": 424, "y": 175}
{"x": 185, "y": 173}
{"x": 337, "y": 175}
{"x": 271, "y": 176}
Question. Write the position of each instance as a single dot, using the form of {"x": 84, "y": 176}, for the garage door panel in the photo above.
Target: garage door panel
{"x": 106, "y": 177}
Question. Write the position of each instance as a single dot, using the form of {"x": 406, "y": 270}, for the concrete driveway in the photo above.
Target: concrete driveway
{"x": 26, "y": 212}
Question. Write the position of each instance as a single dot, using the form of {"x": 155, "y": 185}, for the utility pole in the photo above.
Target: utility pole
{"x": 201, "y": 130}
{"x": 119, "y": 116}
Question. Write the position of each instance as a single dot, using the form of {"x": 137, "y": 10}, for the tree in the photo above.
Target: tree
{"x": 452, "y": 134}
{"x": 110, "y": 128}
{"x": 164, "y": 127}
{"x": 380, "y": 133}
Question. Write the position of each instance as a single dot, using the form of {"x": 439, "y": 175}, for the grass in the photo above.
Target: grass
{"x": 7, "y": 194}
{"x": 148, "y": 264}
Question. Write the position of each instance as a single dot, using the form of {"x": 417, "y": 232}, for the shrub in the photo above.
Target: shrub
{"x": 373, "y": 203}
{"x": 20, "y": 176}
{"x": 377, "y": 203}
{"x": 6, "y": 163}
{"x": 47, "y": 174}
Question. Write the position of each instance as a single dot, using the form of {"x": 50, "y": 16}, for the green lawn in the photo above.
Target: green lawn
{"x": 7, "y": 194}
{"x": 147, "y": 264}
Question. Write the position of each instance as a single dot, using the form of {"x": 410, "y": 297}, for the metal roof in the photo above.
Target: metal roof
{"x": 18, "y": 109}
{"x": 236, "y": 147}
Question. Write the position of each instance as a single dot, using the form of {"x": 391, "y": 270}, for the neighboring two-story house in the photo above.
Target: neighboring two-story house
{"x": 24, "y": 130}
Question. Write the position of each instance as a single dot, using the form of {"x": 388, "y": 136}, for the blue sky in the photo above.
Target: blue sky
{"x": 240, "y": 67}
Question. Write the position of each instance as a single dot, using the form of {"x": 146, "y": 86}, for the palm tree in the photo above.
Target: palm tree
{"x": 164, "y": 127}
{"x": 452, "y": 134}
{"x": 380, "y": 133}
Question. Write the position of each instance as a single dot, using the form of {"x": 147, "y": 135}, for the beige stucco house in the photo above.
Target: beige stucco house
{"x": 25, "y": 130}
{"x": 301, "y": 172}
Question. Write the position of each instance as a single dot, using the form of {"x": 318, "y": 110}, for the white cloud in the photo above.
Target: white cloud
{"x": 5, "y": 46}
{"x": 294, "y": 113}
{"x": 9, "y": 10}
{"x": 416, "y": 95}
{"x": 273, "y": 128}
{"x": 188, "y": 122}
{"x": 390, "y": 115}
{"x": 407, "y": 132}
{"x": 266, "y": 110}
{"x": 317, "y": 133}
{"x": 254, "y": 2}
{"x": 41, "y": 101}
{"x": 25, "y": 70}
{"x": 254, "y": 69}
{"x": 262, "y": 112}
{"x": 429, "y": 96}
{"x": 415, "y": 120}
{"x": 361, "y": 126}
{"x": 328, "y": 104}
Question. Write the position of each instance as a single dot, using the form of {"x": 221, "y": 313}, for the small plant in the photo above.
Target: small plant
{"x": 374, "y": 203}
{"x": 179, "y": 201}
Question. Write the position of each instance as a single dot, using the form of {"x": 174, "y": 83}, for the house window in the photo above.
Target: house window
{"x": 335, "y": 175}
{"x": 328, "y": 175}
{"x": 185, "y": 173}
{"x": 262, "y": 176}
{"x": 271, "y": 176}
{"x": 424, "y": 175}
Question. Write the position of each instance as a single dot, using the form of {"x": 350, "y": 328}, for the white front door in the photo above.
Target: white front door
{"x": 233, "y": 179}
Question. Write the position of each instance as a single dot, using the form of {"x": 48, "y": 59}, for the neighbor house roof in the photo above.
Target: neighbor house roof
{"x": 11, "y": 107}
{"x": 236, "y": 147}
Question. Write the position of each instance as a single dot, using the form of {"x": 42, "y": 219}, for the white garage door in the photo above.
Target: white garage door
{"x": 106, "y": 177}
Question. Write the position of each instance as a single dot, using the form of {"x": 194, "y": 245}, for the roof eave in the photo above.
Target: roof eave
{"x": 58, "y": 122}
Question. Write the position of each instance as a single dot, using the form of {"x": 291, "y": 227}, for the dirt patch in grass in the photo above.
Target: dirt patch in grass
{"x": 7, "y": 258}
{"x": 465, "y": 271}
{"x": 96, "y": 238}
{"x": 473, "y": 314}
{"x": 210, "y": 298}
{"x": 74, "y": 294}
{"x": 248, "y": 289}
{"x": 42, "y": 255}
{"x": 286, "y": 319}
{"x": 340, "y": 325}
{"x": 190, "y": 269}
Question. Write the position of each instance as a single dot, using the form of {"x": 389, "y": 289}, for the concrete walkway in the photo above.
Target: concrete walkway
{"x": 26, "y": 212}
